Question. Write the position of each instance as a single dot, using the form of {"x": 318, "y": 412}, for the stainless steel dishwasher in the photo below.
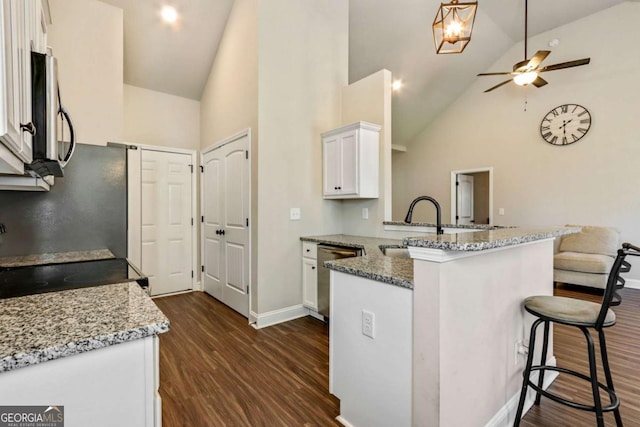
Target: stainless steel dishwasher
{"x": 329, "y": 253}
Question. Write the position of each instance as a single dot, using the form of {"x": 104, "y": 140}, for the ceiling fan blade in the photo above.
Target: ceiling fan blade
{"x": 537, "y": 59}
{"x": 539, "y": 82}
{"x": 505, "y": 73}
{"x": 562, "y": 65}
{"x": 497, "y": 86}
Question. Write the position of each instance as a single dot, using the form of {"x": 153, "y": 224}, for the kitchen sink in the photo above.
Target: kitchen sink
{"x": 395, "y": 251}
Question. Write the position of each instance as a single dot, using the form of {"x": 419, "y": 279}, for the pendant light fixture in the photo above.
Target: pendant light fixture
{"x": 453, "y": 25}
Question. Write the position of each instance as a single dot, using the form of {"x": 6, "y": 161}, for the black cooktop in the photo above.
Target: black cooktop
{"x": 38, "y": 279}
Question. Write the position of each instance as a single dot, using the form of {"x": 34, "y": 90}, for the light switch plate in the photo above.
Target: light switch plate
{"x": 365, "y": 213}
{"x": 294, "y": 214}
{"x": 501, "y": 211}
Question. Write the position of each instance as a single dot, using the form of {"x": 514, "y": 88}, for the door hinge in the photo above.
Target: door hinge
{"x": 202, "y": 268}
{"x": 192, "y": 222}
{"x": 246, "y": 154}
{"x": 457, "y": 183}
{"x": 201, "y": 169}
{"x": 247, "y": 222}
{"x": 192, "y": 274}
{"x": 191, "y": 167}
{"x": 202, "y": 219}
{"x": 457, "y": 217}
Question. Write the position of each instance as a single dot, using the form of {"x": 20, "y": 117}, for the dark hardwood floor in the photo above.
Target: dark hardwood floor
{"x": 215, "y": 370}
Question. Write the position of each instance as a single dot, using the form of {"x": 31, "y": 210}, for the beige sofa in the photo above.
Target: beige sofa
{"x": 586, "y": 258}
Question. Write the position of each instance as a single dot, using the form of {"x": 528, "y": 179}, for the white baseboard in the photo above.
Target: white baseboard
{"x": 632, "y": 283}
{"x": 274, "y": 317}
{"x": 344, "y": 422}
{"x": 171, "y": 294}
{"x": 505, "y": 416}
{"x": 315, "y": 314}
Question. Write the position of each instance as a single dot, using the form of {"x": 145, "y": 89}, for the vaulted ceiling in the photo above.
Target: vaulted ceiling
{"x": 395, "y": 35}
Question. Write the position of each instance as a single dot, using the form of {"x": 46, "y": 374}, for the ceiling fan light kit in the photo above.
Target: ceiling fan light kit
{"x": 453, "y": 26}
{"x": 528, "y": 71}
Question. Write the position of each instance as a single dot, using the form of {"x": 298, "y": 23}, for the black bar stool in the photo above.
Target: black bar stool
{"x": 582, "y": 315}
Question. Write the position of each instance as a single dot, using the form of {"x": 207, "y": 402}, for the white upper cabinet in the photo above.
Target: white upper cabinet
{"x": 23, "y": 29}
{"x": 351, "y": 161}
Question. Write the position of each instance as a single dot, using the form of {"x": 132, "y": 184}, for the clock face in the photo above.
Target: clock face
{"x": 565, "y": 124}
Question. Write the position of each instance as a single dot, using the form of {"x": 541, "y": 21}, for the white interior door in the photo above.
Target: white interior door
{"x": 226, "y": 234}
{"x": 464, "y": 200}
{"x": 166, "y": 221}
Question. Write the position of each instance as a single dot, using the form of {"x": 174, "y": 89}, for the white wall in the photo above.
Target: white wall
{"x": 157, "y": 118}
{"x": 229, "y": 103}
{"x": 592, "y": 182}
{"x": 87, "y": 38}
{"x": 303, "y": 61}
{"x": 369, "y": 100}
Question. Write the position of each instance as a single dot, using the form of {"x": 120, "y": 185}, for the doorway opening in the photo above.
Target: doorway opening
{"x": 472, "y": 196}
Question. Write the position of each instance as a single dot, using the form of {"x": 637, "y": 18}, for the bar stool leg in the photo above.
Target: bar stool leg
{"x": 543, "y": 360}
{"x": 607, "y": 373}
{"x": 526, "y": 373}
{"x": 594, "y": 378}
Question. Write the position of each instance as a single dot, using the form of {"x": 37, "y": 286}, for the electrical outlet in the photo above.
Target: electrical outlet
{"x": 294, "y": 214}
{"x": 368, "y": 324}
{"x": 501, "y": 211}
{"x": 520, "y": 351}
{"x": 365, "y": 213}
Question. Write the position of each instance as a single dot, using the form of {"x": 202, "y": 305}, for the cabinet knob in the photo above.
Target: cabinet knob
{"x": 313, "y": 268}
{"x": 308, "y": 250}
{"x": 29, "y": 127}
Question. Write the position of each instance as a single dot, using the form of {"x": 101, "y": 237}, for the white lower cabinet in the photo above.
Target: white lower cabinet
{"x": 309, "y": 276}
{"x": 113, "y": 386}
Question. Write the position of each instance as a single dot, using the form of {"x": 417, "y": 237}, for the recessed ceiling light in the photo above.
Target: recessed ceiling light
{"x": 396, "y": 85}
{"x": 169, "y": 14}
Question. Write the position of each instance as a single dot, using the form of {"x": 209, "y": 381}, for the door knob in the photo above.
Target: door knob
{"x": 218, "y": 232}
{"x": 222, "y": 232}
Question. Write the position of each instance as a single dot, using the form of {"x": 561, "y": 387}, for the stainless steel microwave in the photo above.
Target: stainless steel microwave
{"x": 50, "y": 119}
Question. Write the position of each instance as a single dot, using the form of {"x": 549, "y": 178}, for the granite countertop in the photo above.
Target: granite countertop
{"x": 487, "y": 239}
{"x": 463, "y": 226}
{"x": 55, "y": 258}
{"x": 38, "y": 328}
{"x": 399, "y": 271}
{"x": 373, "y": 264}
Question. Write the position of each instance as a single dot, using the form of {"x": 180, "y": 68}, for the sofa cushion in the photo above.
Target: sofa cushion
{"x": 585, "y": 263}
{"x": 591, "y": 240}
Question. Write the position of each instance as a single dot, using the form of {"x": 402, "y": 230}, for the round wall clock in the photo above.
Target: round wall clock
{"x": 565, "y": 124}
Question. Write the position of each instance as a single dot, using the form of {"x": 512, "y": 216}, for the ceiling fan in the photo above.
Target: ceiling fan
{"x": 528, "y": 71}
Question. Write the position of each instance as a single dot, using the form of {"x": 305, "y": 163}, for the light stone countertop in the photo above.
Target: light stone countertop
{"x": 38, "y": 328}
{"x": 374, "y": 264}
{"x": 428, "y": 224}
{"x": 55, "y": 258}
{"x": 487, "y": 239}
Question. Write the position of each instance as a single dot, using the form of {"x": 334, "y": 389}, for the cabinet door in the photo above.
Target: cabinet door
{"x": 350, "y": 164}
{"x": 331, "y": 165}
{"x": 10, "y": 109}
{"x": 310, "y": 283}
{"x": 27, "y": 9}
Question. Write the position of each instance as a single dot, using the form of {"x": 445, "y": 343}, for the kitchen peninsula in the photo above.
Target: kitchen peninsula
{"x": 92, "y": 350}
{"x": 447, "y": 335}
